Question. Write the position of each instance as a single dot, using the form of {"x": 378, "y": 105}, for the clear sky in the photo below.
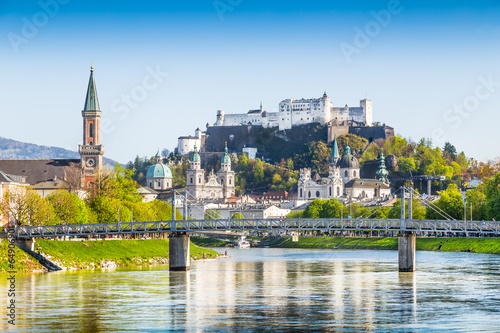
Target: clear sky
{"x": 432, "y": 68}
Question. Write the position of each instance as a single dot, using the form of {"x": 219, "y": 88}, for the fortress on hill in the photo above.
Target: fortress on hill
{"x": 242, "y": 130}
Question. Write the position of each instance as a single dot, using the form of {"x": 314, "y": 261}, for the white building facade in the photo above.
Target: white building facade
{"x": 296, "y": 112}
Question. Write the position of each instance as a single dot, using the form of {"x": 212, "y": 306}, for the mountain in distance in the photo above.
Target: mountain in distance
{"x": 12, "y": 150}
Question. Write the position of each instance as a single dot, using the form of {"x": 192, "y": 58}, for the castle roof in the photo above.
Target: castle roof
{"x": 91, "y": 101}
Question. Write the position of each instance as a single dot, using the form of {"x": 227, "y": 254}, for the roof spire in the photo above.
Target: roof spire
{"x": 382, "y": 173}
{"x": 335, "y": 151}
{"x": 91, "y": 101}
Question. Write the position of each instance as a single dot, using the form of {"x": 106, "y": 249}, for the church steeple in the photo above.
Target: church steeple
{"x": 91, "y": 101}
{"x": 335, "y": 151}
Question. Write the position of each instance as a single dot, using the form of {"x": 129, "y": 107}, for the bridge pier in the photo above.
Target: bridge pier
{"x": 407, "y": 248}
{"x": 179, "y": 255}
{"x": 26, "y": 244}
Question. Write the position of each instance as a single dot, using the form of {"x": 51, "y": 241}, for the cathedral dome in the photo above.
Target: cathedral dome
{"x": 348, "y": 160}
{"x": 159, "y": 170}
{"x": 195, "y": 157}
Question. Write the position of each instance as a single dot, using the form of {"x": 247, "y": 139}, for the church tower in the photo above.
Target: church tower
{"x": 225, "y": 176}
{"x": 195, "y": 175}
{"x": 91, "y": 150}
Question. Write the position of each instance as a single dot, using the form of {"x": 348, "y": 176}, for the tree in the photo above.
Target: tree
{"x": 406, "y": 165}
{"x": 27, "y": 207}
{"x": 330, "y": 209}
{"x": 165, "y": 152}
{"x": 68, "y": 208}
{"x": 477, "y": 199}
{"x": 313, "y": 210}
{"x": 418, "y": 210}
{"x": 237, "y": 216}
{"x": 109, "y": 210}
{"x": 356, "y": 143}
{"x": 493, "y": 197}
{"x": 212, "y": 214}
{"x": 450, "y": 201}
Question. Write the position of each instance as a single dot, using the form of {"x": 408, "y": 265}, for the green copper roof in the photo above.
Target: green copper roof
{"x": 226, "y": 159}
{"x": 195, "y": 157}
{"x": 91, "y": 101}
{"x": 335, "y": 150}
{"x": 382, "y": 172}
{"x": 159, "y": 171}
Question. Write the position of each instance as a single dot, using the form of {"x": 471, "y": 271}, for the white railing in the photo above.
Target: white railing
{"x": 283, "y": 225}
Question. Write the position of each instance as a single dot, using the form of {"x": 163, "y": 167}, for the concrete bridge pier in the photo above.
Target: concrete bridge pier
{"x": 407, "y": 248}
{"x": 179, "y": 255}
{"x": 26, "y": 244}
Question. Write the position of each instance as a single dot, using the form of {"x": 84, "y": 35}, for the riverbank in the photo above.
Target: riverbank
{"x": 477, "y": 245}
{"x": 23, "y": 262}
{"x": 99, "y": 253}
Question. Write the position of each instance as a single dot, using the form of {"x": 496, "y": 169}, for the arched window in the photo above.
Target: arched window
{"x": 300, "y": 195}
{"x": 309, "y": 194}
{"x": 150, "y": 184}
{"x": 199, "y": 180}
{"x": 317, "y": 194}
{"x": 191, "y": 180}
{"x": 346, "y": 174}
{"x": 354, "y": 173}
{"x": 330, "y": 189}
{"x": 91, "y": 130}
{"x": 338, "y": 191}
{"x": 229, "y": 181}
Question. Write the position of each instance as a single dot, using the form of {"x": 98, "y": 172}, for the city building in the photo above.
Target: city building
{"x": 159, "y": 175}
{"x": 218, "y": 186}
{"x": 343, "y": 180}
{"x": 296, "y": 112}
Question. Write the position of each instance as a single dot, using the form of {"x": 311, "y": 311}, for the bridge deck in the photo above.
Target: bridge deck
{"x": 284, "y": 225}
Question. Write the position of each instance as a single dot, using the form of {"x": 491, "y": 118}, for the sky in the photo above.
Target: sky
{"x": 163, "y": 68}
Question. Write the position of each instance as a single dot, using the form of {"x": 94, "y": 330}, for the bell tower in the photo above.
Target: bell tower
{"x": 91, "y": 150}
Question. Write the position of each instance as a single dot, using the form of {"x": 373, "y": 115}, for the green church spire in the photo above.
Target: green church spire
{"x": 91, "y": 101}
{"x": 382, "y": 172}
{"x": 335, "y": 151}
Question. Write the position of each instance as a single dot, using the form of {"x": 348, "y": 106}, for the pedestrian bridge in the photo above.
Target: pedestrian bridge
{"x": 179, "y": 232}
{"x": 483, "y": 228}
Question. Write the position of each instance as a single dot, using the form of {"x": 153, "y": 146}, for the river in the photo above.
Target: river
{"x": 269, "y": 290}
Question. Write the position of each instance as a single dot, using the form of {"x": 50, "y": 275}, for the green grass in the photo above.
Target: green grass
{"x": 208, "y": 242}
{"x": 24, "y": 263}
{"x": 82, "y": 254}
{"x": 479, "y": 245}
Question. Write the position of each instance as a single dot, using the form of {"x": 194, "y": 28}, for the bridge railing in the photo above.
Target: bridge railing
{"x": 284, "y": 225}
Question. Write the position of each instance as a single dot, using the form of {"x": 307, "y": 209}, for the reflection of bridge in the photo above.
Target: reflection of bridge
{"x": 179, "y": 231}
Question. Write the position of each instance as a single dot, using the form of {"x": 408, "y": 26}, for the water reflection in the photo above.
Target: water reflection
{"x": 271, "y": 290}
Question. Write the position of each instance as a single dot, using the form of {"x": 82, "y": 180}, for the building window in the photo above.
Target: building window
{"x": 229, "y": 181}
{"x": 199, "y": 180}
{"x": 91, "y": 130}
{"x": 159, "y": 184}
{"x": 191, "y": 180}
{"x": 338, "y": 191}
{"x": 330, "y": 191}
{"x": 317, "y": 194}
{"x": 150, "y": 184}
{"x": 346, "y": 174}
{"x": 354, "y": 173}
{"x": 300, "y": 193}
{"x": 309, "y": 194}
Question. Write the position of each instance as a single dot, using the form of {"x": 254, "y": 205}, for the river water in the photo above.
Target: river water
{"x": 269, "y": 290}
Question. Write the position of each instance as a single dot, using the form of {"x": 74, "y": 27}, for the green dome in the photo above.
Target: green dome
{"x": 159, "y": 171}
{"x": 195, "y": 157}
{"x": 225, "y": 159}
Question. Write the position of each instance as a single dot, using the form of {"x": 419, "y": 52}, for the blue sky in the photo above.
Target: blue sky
{"x": 431, "y": 69}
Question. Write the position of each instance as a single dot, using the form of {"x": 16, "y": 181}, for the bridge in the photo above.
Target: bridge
{"x": 179, "y": 231}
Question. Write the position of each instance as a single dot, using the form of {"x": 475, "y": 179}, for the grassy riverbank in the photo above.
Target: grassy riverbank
{"x": 92, "y": 254}
{"x": 24, "y": 263}
{"x": 479, "y": 245}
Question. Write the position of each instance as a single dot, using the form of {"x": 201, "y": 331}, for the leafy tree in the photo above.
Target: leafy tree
{"x": 313, "y": 210}
{"x": 165, "y": 152}
{"x": 493, "y": 198}
{"x": 212, "y": 214}
{"x": 237, "y": 216}
{"x": 418, "y": 210}
{"x": 68, "y": 208}
{"x": 450, "y": 201}
{"x": 109, "y": 210}
{"x": 356, "y": 143}
{"x": 27, "y": 207}
{"x": 406, "y": 165}
{"x": 477, "y": 199}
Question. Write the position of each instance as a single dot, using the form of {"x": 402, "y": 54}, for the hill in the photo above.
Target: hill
{"x": 12, "y": 149}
